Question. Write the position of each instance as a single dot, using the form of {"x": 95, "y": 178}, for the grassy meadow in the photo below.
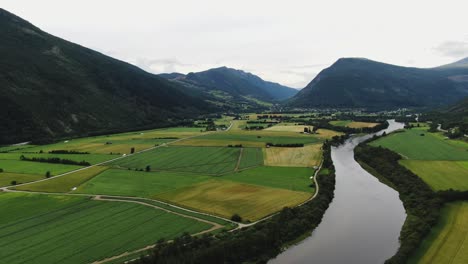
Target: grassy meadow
{"x": 294, "y": 179}
{"x": 440, "y": 174}
{"x": 138, "y": 183}
{"x": 208, "y": 160}
{"x": 225, "y": 198}
{"x": 447, "y": 242}
{"x": 440, "y": 162}
{"x": 63, "y": 183}
{"x": 65, "y": 229}
{"x": 308, "y": 156}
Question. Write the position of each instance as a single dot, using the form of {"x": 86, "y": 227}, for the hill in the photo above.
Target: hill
{"x": 228, "y": 84}
{"x": 355, "y": 82}
{"x": 52, "y": 88}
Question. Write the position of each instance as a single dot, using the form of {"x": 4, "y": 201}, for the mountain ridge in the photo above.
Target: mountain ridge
{"x": 54, "y": 88}
{"x": 364, "y": 83}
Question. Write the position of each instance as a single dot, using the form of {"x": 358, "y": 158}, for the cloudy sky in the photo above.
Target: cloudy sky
{"x": 283, "y": 41}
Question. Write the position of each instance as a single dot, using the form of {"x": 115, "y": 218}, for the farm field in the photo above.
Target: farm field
{"x": 288, "y": 128}
{"x": 91, "y": 158}
{"x": 138, "y": 183}
{"x": 63, "y": 183}
{"x": 448, "y": 240}
{"x": 42, "y": 226}
{"x": 256, "y": 138}
{"x": 7, "y": 178}
{"x": 40, "y": 168}
{"x": 208, "y": 160}
{"x": 294, "y": 179}
{"x": 411, "y": 145}
{"x": 307, "y": 156}
{"x": 352, "y": 124}
{"x": 251, "y": 157}
{"x": 225, "y": 198}
{"x": 440, "y": 175}
{"x": 120, "y": 143}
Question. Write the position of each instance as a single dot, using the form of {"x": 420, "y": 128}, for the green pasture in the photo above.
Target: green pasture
{"x": 208, "y": 160}
{"x": 40, "y": 168}
{"x": 58, "y": 229}
{"x": 6, "y": 178}
{"x": 412, "y": 145}
{"x": 447, "y": 242}
{"x": 91, "y": 158}
{"x": 251, "y": 157}
{"x": 289, "y": 178}
{"x": 440, "y": 175}
{"x": 63, "y": 183}
{"x": 138, "y": 183}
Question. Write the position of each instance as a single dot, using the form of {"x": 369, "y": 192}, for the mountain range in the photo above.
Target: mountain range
{"x": 228, "y": 86}
{"x": 356, "y": 82}
{"x": 52, "y": 88}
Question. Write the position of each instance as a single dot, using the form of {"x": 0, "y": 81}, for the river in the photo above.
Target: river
{"x": 363, "y": 222}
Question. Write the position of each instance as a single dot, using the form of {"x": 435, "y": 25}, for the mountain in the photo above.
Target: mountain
{"x": 228, "y": 84}
{"x": 355, "y": 82}
{"x": 52, "y": 88}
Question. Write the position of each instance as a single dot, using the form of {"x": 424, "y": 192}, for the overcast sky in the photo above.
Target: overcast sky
{"x": 283, "y": 41}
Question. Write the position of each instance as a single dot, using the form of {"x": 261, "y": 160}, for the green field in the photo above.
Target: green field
{"x": 138, "y": 183}
{"x": 6, "y": 178}
{"x": 251, "y": 157}
{"x": 225, "y": 198}
{"x": 208, "y": 160}
{"x": 64, "y": 229}
{"x": 64, "y": 183}
{"x": 448, "y": 240}
{"x": 411, "y": 145}
{"x": 40, "y": 168}
{"x": 294, "y": 179}
{"x": 91, "y": 158}
{"x": 440, "y": 175}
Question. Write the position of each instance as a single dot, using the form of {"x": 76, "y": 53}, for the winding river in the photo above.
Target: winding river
{"x": 363, "y": 222}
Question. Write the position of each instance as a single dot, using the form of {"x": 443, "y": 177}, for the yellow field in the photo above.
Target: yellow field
{"x": 64, "y": 183}
{"x": 288, "y": 128}
{"x": 327, "y": 134}
{"x": 308, "y": 156}
{"x": 448, "y": 241}
{"x": 361, "y": 124}
{"x": 225, "y": 198}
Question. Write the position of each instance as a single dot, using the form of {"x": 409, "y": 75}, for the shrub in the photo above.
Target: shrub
{"x": 236, "y": 218}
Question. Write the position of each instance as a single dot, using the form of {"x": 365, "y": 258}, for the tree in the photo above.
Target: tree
{"x": 306, "y": 130}
{"x": 148, "y": 168}
{"x": 47, "y": 174}
{"x": 13, "y": 182}
{"x": 132, "y": 150}
{"x": 1, "y": 170}
{"x": 236, "y": 218}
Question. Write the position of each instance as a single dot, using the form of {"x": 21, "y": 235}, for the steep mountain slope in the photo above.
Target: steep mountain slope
{"x": 52, "y": 88}
{"x": 235, "y": 83}
{"x": 353, "y": 82}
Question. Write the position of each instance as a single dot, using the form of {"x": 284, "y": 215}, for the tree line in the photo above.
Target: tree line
{"x": 55, "y": 161}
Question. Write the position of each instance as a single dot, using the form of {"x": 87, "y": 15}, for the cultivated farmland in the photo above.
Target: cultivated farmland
{"x": 307, "y": 156}
{"x": 208, "y": 160}
{"x": 138, "y": 183}
{"x": 59, "y": 229}
{"x": 448, "y": 240}
{"x": 64, "y": 183}
{"x": 440, "y": 175}
{"x": 225, "y": 198}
